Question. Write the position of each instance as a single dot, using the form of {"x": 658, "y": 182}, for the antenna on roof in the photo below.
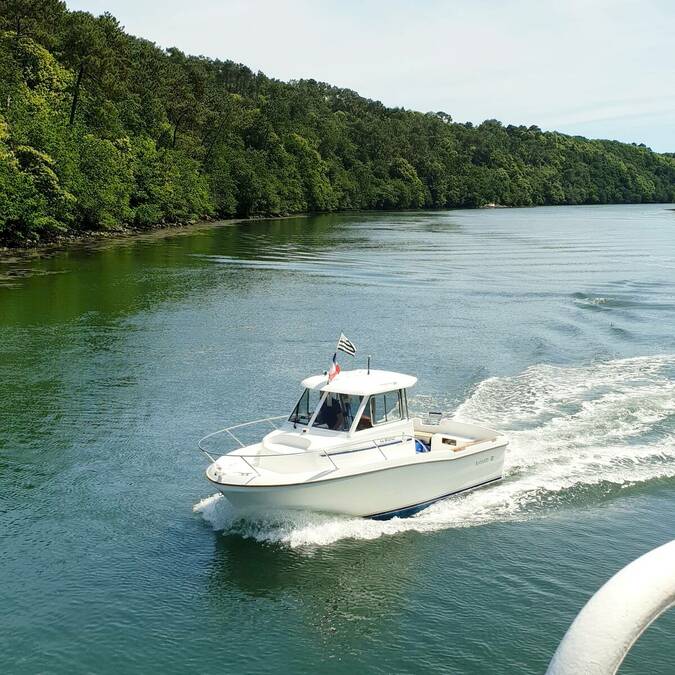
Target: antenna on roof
{"x": 368, "y": 364}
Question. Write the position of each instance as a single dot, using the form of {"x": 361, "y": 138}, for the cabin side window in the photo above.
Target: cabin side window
{"x": 392, "y": 406}
{"x": 306, "y": 406}
{"x": 380, "y": 409}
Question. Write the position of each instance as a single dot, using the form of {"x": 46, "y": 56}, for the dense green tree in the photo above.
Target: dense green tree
{"x": 86, "y": 51}
{"x": 32, "y": 18}
{"x": 100, "y": 129}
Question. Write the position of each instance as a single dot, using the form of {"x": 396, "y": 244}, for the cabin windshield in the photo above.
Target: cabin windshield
{"x": 306, "y": 406}
{"x": 337, "y": 412}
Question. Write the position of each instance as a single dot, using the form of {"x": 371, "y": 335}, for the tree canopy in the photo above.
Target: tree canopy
{"x": 100, "y": 129}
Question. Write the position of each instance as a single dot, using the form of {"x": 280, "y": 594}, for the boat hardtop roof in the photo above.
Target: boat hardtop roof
{"x": 361, "y": 382}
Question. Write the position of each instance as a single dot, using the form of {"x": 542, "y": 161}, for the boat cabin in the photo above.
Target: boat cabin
{"x": 355, "y": 400}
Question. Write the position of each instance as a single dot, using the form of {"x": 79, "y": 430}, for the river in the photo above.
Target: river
{"x": 555, "y": 325}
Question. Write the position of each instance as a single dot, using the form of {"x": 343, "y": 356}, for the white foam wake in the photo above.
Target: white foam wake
{"x": 573, "y": 430}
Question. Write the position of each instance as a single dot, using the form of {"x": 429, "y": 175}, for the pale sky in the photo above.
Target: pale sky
{"x": 599, "y": 68}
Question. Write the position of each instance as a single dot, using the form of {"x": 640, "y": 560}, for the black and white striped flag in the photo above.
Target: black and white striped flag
{"x": 345, "y": 345}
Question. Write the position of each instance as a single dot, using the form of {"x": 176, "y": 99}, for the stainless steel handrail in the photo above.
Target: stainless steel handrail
{"x": 373, "y": 445}
{"x": 228, "y": 430}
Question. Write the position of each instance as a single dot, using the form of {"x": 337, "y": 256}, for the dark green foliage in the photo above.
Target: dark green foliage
{"x": 99, "y": 129}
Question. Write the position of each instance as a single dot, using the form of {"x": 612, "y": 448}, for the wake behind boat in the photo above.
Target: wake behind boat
{"x": 351, "y": 447}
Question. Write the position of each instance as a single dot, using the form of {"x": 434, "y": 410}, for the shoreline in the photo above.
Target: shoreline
{"x": 96, "y": 239}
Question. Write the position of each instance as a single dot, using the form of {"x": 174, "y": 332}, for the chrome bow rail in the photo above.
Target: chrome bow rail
{"x": 249, "y": 460}
{"x": 229, "y": 430}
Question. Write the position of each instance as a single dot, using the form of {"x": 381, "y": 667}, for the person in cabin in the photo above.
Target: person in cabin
{"x": 338, "y": 406}
{"x": 331, "y": 415}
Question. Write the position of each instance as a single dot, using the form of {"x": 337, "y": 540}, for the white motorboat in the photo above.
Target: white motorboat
{"x": 351, "y": 447}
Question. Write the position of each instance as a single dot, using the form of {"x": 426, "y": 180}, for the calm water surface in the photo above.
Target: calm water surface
{"x": 553, "y": 324}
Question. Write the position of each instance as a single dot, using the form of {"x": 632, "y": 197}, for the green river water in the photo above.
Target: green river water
{"x": 555, "y": 325}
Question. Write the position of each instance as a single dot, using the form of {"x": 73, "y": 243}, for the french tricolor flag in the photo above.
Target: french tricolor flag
{"x": 334, "y": 368}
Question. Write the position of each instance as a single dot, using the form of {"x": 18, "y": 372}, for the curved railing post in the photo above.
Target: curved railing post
{"x": 615, "y": 617}
{"x": 229, "y": 430}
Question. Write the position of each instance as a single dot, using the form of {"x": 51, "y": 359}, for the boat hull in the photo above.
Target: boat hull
{"x": 382, "y": 492}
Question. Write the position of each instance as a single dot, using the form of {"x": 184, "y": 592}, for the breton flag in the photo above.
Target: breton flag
{"x": 334, "y": 368}
{"x": 345, "y": 345}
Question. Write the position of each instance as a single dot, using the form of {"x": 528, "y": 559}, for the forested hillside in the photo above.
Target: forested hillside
{"x": 100, "y": 129}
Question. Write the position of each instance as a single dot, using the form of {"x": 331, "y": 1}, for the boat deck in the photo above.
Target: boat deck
{"x": 256, "y": 465}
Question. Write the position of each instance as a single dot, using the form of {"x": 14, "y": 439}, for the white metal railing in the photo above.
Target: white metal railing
{"x": 615, "y": 617}
{"x": 248, "y": 459}
{"x": 229, "y": 430}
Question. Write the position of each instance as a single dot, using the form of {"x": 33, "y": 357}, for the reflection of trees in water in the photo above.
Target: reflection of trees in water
{"x": 124, "y": 276}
